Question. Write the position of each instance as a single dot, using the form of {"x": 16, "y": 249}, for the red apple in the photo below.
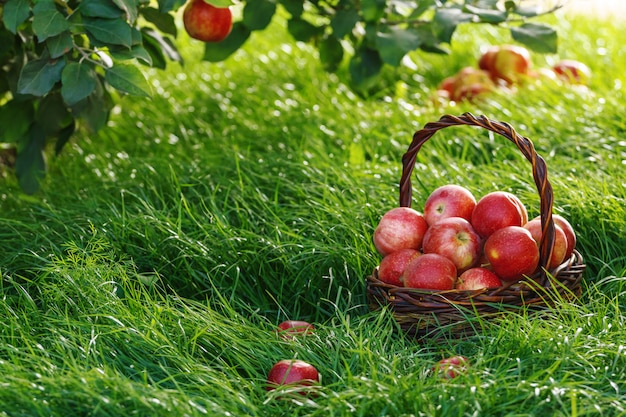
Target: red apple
{"x": 447, "y": 84}
{"x": 430, "y": 272}
{"x": 496, "y": 210}
{"x": 470, "y": 82}
{"x": 393, "y": 265}
{"x": 478, "y": 278}
{"x": 399, "y": 228}
{"x": 509, "y": 63}
{"x": 569, "y": 233}
{"x": 559, "y": 249}
{"x": 449, "y": 201}
{"x": 451, "y": 367}
{"x": 206, "y": 22}
{"x": 292, "y": 372}
{"x": 454, "y": 238}
{"x": 291, "y": 328}
{"x": 512, "y": 253}
{"x": 572, "y": 71}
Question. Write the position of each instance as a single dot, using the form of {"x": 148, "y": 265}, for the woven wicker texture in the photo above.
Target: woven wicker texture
{"x": 456, "y": 313}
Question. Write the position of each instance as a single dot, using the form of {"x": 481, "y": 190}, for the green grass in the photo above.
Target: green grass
{"x": 147, "y": 277}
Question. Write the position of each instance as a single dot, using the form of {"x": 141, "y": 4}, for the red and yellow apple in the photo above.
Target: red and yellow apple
{"x": 478, "y": 278}
{"x": 510, "y": 63}
{"x": 512, "y": 253}
{"x": 430, "y": 272}
{"x": 559, "y": 248}
{"x": 496, "y": 210}
{"x": 392, "y": 266}
{"x": 449, "y": 200}
{"x": 206, "y": 22}
{"x": 399, "y": 228}
{"x": 572, "y": 71}
{"x": 454, "y": 238}
{"x": 451, "y": 367}
{"x": 467, "y": 84}
{"x": 292, "y": 372}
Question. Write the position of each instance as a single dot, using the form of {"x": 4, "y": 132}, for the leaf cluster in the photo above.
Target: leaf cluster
{"x": 61, "y": 60}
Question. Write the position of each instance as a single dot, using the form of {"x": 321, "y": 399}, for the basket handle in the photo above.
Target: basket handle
{"x": 539, "y": 168}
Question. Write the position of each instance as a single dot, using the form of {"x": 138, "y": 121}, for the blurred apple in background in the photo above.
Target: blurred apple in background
{"x": 451, "y": 367}
{"x": 572, "y": 71}
{"x": 510, "y": 63}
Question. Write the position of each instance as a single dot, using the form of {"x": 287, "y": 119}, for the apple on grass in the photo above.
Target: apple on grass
{"x": 496, "y": 210}
{"x": 292, "y": 372}
{"x": 478, "y": 278}
{"x": 449, "y": 200}
{"x": 392, "y": 266}
{"x": 559, "y": 248}
{"x": 430, "y": 271}
{"x": 292, "y": 328}
{"x": 572, "y": 71}
{"x": 207, "y": 23}
{"x": 451, "y": 367}
{"x": 512, "y": 253}
{"x": 399, "y": 228}
{"x": 454, "y": 238}
{"x": 466, "y": 84}
{"x": 510, "y": 63}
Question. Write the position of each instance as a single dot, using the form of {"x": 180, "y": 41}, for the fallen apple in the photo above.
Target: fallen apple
{"x": 292, "y": 328}
{"x": 430, "y": 272}
{"x": 510, "y": 63}
{"x": 206, "y": 22}
{"x": 399, "y": 228}
{"x": 449, "y": 200}
{"x": 572, "y": 71}
{"x": 512, "y": 253}
{"x": 478, "y": 278}
{"x": 451, "y": 367}
{"x": 496, "y": 210}
{"x": 454, "y": 238}
{"x": 392, "y": 266}
{"x": 292, "y": 372}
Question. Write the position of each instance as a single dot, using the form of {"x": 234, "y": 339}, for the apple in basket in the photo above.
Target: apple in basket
{"x": 559, "y": 249}
{"x": 512, "y": 253}
{"x": 430, "y": 271}
{"x": 451, "y": 367}
{"x": 399, "y": 228}
{"x": 392, "y": 266}
{"x": 454, "y": 238}
{"x": 570, "y": 234}
{"x": 292, "y": 372}
{"x": 449, "y": 200}
{"x": 478, "y": 278}
{"x": 496, "y": 210}
{"x": 292, "y": 328}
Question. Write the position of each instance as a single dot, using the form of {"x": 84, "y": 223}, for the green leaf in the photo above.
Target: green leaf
{"x": 169, "y": 5}
{"x": 64, "y": 136}
{"x": 130, "y": 8}
{"x": 48, "y": 21}
{"x": 373, "y": 10}
{"x": 331, "y": 53}
{"x": 128, "y": 79}
{"x": 60, "y": 45}
{"x": 258, "y": 14}
{"x": 303, "y": 31}
{"x": 6, "y": 43}
{"x": 219, "y": 51}
{"x": 396, "y": 43}
{"x": 15, "y": 119}
{"x": 15, "y": 13}
{"x": 136, "y": 52}
{"x": 365, "y": 67}
{"x": 105, "y": 9}
{"x": 52, "y": 114}
{"x": 422, "y": 7}
{"x": 493, "y": 16}
{"x": 162, "y": 21}
{"x": 220, "y": 3}
{"x": 39, "y": 76}
{"x": 159, "y": 47}
{"x": 343, "y": 22}
{"x": 30, "y": 164}
{"x": 536, "y": 36}
{"x": 79, "y": 81}
{"x": 446, "y": 21}
{"x": 109, "y": 31}
{"x": 294, "y": 7}
{"x": 94, "y": 110}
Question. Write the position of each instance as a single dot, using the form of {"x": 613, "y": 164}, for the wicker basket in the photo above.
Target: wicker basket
{"x": 456, "y": 313}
